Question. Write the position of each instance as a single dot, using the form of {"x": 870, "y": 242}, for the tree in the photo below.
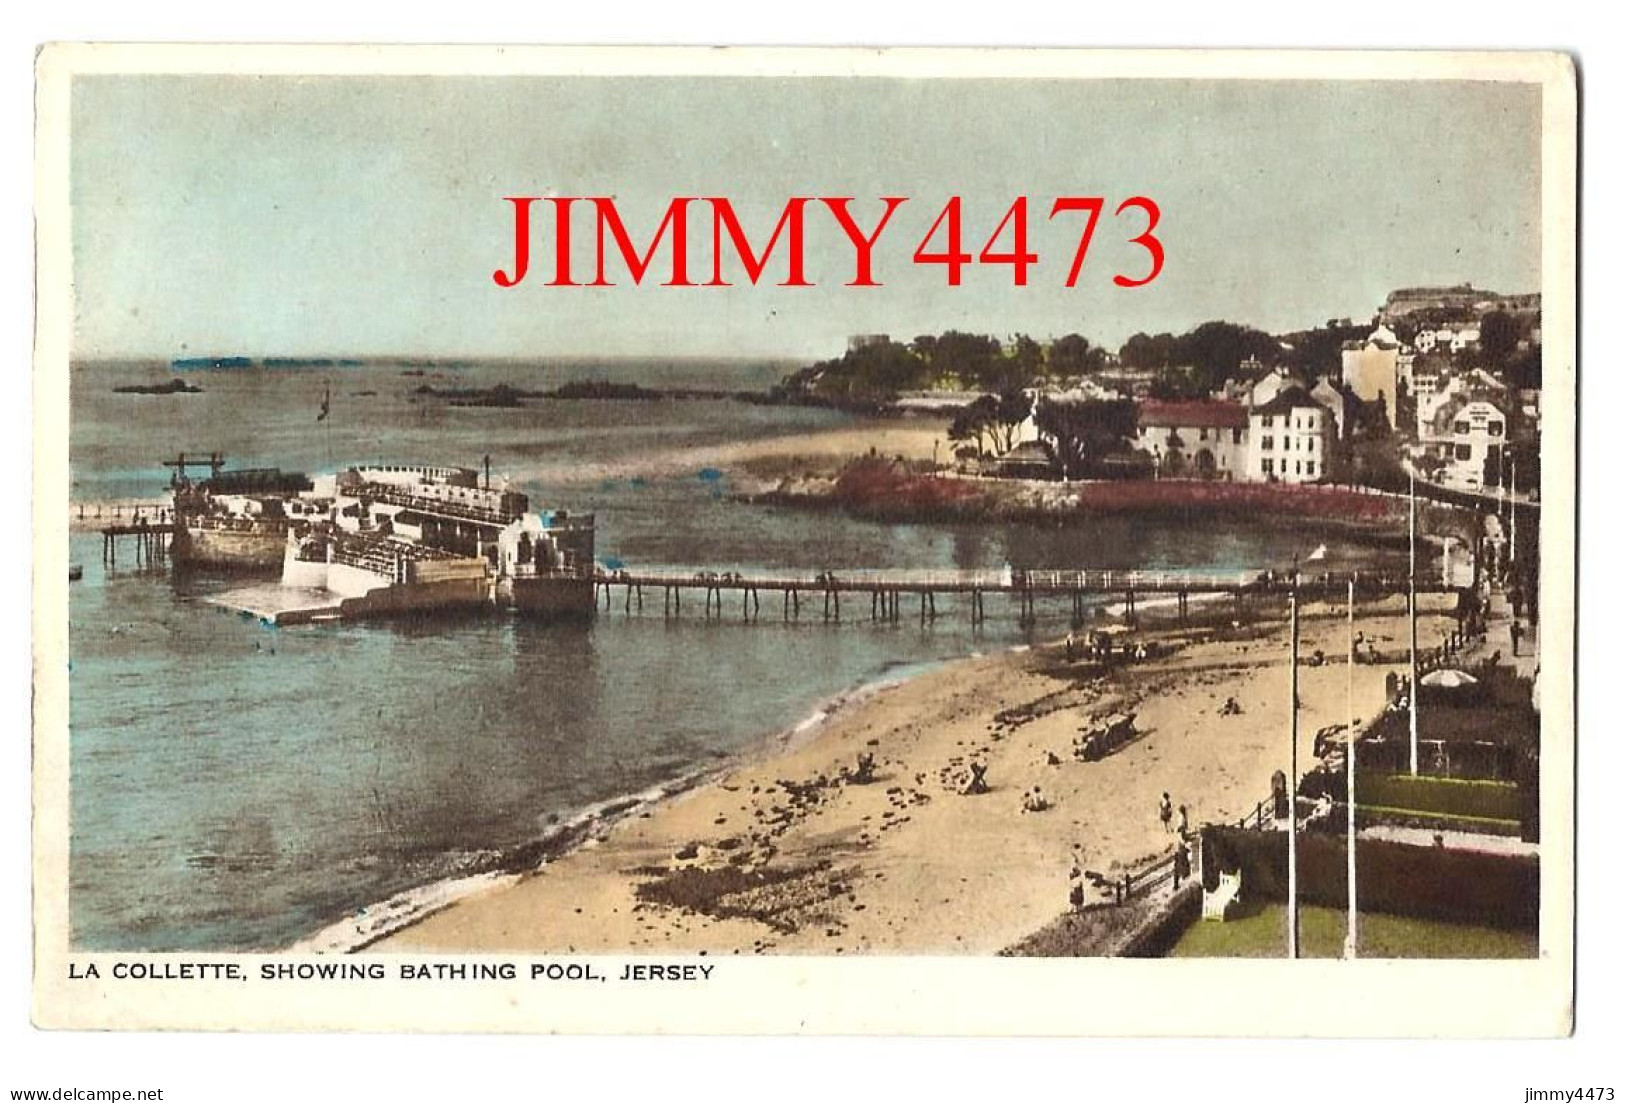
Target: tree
{"x": 975, "y": 360}
{"x": 1497, "y": 337}
{"x": 1079, "y": 433}
{"x": 1141, "y": 352}
{"x": 1072, "y": 355}
{"x": 1523, "y": 370}
{"x": 1010, "y": 409}
{"x": 1027, "y": 358}
{"x": 968, "y": 426}
{"x": 1215, "y": 350}
{"x": 870, "y": 373}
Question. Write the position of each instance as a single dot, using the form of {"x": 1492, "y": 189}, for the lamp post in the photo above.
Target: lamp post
{"x": 1351, "y": 943}
{"x": 1512, "y": 520}
{"x": 1415, "y": 681}
{"x": 1292, "y": 793}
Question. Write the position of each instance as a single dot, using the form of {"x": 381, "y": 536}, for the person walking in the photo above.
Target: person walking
{"x": 1184, "y": 822}
{"x": 1165, "y": 811}
{"x": 1517, "y": 634}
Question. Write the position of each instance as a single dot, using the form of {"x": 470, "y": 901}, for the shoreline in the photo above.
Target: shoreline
{"x": 376, "y": 921}
{"x": 778, "y": 850}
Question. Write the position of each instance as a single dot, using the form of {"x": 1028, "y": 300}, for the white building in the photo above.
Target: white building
{"x": 1203, "y": 440}
{"x": 1452, "y": 338}
{"x": 1271, "y": 383}
{"x": 1436, "y": 392}
{"x": 1291, "y": 438}
{"x": 1476, "y": 442}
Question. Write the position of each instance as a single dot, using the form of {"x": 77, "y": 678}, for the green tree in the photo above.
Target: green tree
{"x": 1214, "y": 351}
{"x": 1010, "y": 409}
{"x": 1079, "y": 433}
{"x": 976, "y": 360}
{"x": 1142, "y": 352}
{"x": 1072, "y": 356}
{"x": 1027, "y": 359}
{"x": 971, "y": 424}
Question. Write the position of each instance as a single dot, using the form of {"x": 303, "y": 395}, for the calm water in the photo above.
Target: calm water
{"x": 238, "y": 786}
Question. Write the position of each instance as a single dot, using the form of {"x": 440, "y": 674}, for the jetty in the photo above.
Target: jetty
{"x": 824, "y": 591}
{"x": 152, "y": 541}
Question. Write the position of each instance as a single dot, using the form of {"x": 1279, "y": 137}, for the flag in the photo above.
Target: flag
{"x": 327, "y": 403}
{"x": 1318, "y": 553}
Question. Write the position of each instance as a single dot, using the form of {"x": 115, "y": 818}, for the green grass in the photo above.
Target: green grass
{"x": 1261, "y": 932}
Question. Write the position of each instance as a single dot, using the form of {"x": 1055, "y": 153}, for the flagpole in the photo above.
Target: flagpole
{"x": 1351, "y": 945}
{"x": 1292, "y": 798}
{"x": 1415, "y": 686}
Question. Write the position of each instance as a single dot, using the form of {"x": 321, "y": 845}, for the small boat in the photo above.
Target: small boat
{"x": 75, "y": 572}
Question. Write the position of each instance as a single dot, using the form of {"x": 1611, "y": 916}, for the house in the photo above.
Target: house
{"x": 1371, "y": 371}
{"x": 1451, "y": 338}
{"x": 1265, "y": 387}
{"x": 1343, "y": 405}
{"x": 1290, "y": 439}
{"x": 1028, "y": 460}
{"x": 1204, "y": 440}
{"x": 1471, "y": 438}
{"x": 1446, "y": 388}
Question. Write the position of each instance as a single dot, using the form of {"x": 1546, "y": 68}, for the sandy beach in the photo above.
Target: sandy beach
{"x": 783, "y": 854}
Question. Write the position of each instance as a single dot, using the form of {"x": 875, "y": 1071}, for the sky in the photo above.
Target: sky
{"x": 265, "y": 216}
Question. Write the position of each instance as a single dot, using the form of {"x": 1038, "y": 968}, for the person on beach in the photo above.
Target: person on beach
{"x": 1165, "y": 811}
{"x": 1182, "y": 863}
{"x": 978, "y": 779}
{"x": 1071, "y": 647}
{"x": 1184, "y": 822}
{"x": 865, "y": 773}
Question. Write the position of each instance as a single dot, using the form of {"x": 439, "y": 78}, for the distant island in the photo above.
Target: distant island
{"x": 213, "y": 363}
{"x": 174, "y": 386}
{"x": 506, "y": 395}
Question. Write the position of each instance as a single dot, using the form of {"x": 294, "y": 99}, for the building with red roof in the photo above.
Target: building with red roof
{"x": 1204, "y": 440}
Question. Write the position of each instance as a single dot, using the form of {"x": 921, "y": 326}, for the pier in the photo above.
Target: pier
{"x": 151, "y": 541}
{"x": 887, "y": 591}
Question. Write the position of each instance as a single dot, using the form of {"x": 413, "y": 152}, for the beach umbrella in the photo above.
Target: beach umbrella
{"x": 1450, "y": 679}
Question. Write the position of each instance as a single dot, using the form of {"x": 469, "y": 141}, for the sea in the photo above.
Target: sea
{"x": 237, "y": 786}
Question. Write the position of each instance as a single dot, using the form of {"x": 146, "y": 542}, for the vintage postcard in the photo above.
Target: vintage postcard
{"x": 768, "y": 541}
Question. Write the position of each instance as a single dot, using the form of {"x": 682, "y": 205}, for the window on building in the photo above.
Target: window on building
{"x": 1461, "y": 426}
{"x": 1268, "y": 444}
{"x": 1309, "y": 468}
{"x": 1268, "y": 466}
{"x": 1201, "y": 434}
{"x": 1464, "y": 451}
{"x": 1309, "y": 444}
{"x": 1495, "y": 428}
{"x": 1235, "y": 436}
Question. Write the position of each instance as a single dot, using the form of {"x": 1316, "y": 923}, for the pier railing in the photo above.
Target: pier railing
{"x": 1015, "y": 581}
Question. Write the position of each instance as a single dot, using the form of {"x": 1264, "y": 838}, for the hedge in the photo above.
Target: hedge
{"x": 1456, "y": 886}
{"x": 1485, "y": 800}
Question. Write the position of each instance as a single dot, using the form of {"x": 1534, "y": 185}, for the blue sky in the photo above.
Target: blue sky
{"x": 364, "y": 215}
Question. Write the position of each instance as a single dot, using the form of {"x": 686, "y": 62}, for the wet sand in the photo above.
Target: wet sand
{"x": 781, "y": 854}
